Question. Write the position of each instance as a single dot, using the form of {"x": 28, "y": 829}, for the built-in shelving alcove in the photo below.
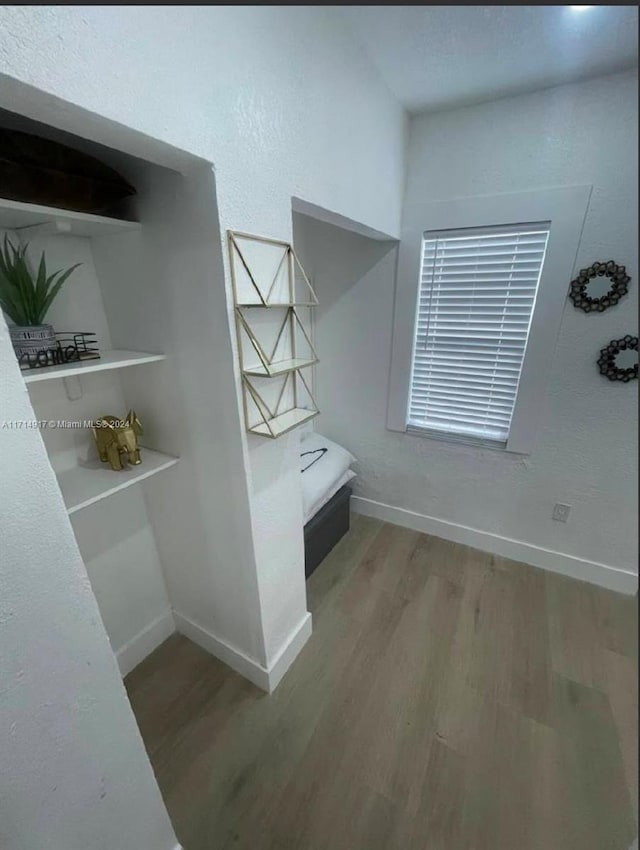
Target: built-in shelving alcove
{"x": 161, "y": 541}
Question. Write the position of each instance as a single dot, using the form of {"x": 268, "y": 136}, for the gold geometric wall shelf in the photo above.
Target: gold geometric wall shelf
{"x": 267, "y": 273}
{"x": 279, "y": 357}
{"x": 273, "y": 343}
{"x": 282, "y": 402}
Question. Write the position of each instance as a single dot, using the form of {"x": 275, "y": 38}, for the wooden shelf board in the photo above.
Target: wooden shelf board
{"x": 280, "y": 367}
{"x": 85, "y": 485}
{"x": 283, "y": 423}
{"x": 15, "y": 215}
{"x": 116, "y": 359}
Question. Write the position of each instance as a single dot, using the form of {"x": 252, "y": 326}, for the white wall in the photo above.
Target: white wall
{"x": 73, "y": 769}
{"x": 171, "y": 278}
{"x": 284, "y": 104}
{"x": 586, "y": 451}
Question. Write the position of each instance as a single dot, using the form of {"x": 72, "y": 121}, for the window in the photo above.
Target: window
{"x": 471, "y": 363}
{"x": 476, "y": 296}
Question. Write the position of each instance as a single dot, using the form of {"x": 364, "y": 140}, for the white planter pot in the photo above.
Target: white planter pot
{"x": 29, "y": 340}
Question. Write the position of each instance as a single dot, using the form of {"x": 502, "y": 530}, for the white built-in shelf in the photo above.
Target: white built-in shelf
{"x": 283, "y": 423}
{"x": 93, "y": 481}
{"x": 34, "y": 218}
{"x": 280, "y": 367}
{"x": 117, "y": 359}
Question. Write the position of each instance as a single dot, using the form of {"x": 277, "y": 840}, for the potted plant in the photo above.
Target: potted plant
{"x": 26, "y": 298}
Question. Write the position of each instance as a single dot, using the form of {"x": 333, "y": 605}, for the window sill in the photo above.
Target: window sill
{"x": 473, "y": 442}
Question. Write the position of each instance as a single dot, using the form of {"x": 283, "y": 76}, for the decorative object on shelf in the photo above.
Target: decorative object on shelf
{"x": 115, "y": 437}
{"x": 611, "y": 367}
{"x": 67, "y": 347}
{"x": 26, "y": 299}
{"x": 267, "y": 274}
{"x": 28, "y": 343}
{"x": 36, "y": 170}
{"x": 579, "y": 291}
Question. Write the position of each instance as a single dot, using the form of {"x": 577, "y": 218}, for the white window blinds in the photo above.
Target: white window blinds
{"x": 475, "y": 302}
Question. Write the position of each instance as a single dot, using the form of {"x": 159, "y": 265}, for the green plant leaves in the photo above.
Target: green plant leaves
{"x": 41, "y": 282}
{"x": 24, "y": 299}
{"x": 53, "y": 289}
{"x": 15, "y": 299}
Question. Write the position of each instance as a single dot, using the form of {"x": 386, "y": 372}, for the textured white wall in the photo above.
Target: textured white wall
{"x": 279, "y": 98}
{"x": 586, "y": 451}
{"x": 200, "y": 510}
{"x": 284, "y": 104}
{"x": 73, "y": 770}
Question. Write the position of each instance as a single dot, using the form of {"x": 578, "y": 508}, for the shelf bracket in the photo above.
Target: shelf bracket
{"x": 73, "y": 387}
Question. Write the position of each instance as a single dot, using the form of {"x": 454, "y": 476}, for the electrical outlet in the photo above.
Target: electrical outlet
{"x": 561, "y": 512}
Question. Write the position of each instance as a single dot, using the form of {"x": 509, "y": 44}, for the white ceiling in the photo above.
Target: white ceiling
{"x": 437, "y": 57}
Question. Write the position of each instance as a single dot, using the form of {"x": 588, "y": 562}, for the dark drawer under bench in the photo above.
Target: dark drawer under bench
{"x": 323, "y": 530}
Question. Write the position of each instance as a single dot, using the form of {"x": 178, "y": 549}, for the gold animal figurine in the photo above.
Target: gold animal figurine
{"x": 115, "y": 437}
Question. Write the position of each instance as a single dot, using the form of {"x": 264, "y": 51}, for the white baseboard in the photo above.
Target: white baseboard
{"x": 265, "y": 678}
{"x": 137, "y": 649}
{"x": 288, "y": 652}
{"x": 232, "y": 657}
{"x": 612, "y": 578}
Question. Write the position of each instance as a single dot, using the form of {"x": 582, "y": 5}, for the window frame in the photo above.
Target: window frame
{"x": 435, "y": 236}
{"x": 565, "y": 209}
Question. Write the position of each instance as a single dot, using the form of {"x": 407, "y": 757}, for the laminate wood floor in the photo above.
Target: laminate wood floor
{"x": 447, "y": 700}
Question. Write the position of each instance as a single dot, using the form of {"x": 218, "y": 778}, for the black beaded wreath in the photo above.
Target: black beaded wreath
{"x": 619, "y": 287}
{"x": 607, "y": 360}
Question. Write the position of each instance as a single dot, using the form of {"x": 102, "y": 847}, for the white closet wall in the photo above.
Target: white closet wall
{"x": 164, "y": 291}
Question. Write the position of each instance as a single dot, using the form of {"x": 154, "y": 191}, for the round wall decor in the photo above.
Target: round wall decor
{"x": 579, "y": 293}
{"x": 607, "y": 360}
